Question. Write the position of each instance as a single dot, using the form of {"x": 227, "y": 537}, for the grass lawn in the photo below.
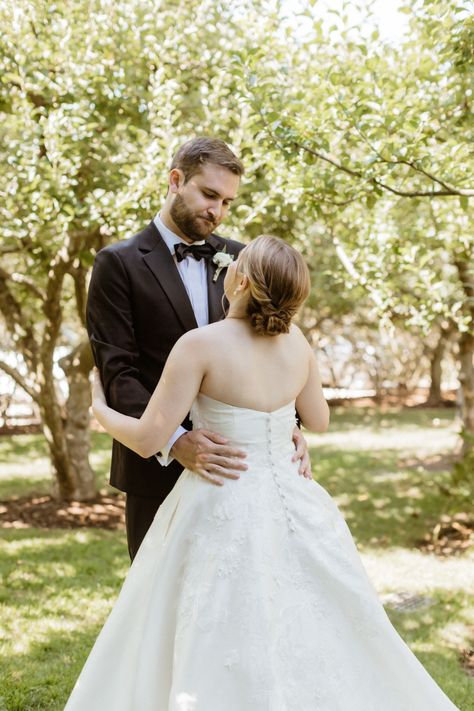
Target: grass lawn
{"x": 384, "y": 471}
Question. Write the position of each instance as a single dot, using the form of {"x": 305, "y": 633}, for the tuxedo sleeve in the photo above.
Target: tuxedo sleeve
{"x": 111, "y": 333}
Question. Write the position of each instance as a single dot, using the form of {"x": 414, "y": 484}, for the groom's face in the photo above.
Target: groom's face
{"x": 200, "y": 204}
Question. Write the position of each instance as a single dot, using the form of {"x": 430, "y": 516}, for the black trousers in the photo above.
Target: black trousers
{"x": 139, "y": 514}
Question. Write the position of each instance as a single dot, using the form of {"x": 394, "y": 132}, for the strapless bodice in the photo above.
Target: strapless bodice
{"x": 260, "y": 434}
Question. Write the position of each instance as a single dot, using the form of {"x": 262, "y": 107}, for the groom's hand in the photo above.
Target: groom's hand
{"x": 301, "y": 454}
{"x": 209, "y": 455}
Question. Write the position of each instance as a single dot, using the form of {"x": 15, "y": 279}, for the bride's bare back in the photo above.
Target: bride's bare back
{"x": 229, "y": 362}
{"x": 250, "y": 370}
{"x": 245, "y": 369}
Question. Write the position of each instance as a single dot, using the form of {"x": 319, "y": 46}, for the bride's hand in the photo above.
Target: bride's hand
{"x": 98, "y": 395}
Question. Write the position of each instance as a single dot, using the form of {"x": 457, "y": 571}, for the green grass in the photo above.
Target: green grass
{"x": 25, "y": 467}
{"x": 57, "y": 587}
{"x": 384, "y": 471}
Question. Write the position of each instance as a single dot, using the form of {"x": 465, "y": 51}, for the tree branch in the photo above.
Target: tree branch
{"x": 52, "y": 305}
{"x": 14, "y": 375}
{"x": 79, "y": 275}
{"x": 31, "y": 286}
{"x": 80, "y": 358}
{"x": 466, "y": 277}
{"x": 410, "y": 164}
{"x": 448, "y": 191}
{"x": 16, "y": 320}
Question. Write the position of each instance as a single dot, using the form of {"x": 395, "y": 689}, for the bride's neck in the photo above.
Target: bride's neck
{"x": 236, "y": 311}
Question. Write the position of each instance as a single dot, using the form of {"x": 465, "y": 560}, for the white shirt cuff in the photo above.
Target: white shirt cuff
{"x": 164, "y": 456}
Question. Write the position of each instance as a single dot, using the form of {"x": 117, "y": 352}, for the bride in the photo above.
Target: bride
{"x": 247, "y": 594}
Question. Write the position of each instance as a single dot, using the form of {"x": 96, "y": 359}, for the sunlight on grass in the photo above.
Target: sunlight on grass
{"x": 418, "y": 572}
{"x": 407, "y": 431}
{"x": 57, "y": 588}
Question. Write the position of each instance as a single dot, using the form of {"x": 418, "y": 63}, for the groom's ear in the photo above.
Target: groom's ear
{"x": 176, "y": 179}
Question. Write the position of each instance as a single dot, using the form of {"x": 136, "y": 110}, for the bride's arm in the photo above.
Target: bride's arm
{"x": 311, "y": 404}
{"x": 168, "y": 406}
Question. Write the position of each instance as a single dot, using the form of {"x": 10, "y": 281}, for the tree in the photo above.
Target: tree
{"x": 377, "y": 138}
{"x": 337, "y": 140}
{"x": 94, "y": 99}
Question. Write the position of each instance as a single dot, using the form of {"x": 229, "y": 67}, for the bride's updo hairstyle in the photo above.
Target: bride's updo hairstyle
{"x": 279, "y": 282}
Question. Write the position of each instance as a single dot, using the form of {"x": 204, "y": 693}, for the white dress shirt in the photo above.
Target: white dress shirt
{"x": 194, "y": 276}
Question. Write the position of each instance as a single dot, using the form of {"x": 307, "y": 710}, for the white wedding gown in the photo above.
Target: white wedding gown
{"x": 251, "y": 597}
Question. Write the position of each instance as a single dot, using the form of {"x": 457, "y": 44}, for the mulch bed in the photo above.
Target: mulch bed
{"x": 104, "y": 511}
{"x": 452, "y": 535}
{"x": 467, "y": 660}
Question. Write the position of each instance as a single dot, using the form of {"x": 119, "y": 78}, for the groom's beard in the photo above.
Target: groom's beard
{"x": 195, "y": 228}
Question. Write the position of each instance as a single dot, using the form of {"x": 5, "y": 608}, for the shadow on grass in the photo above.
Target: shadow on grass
{"x": 383, "y": 503}
{"x": 64, "y": 563}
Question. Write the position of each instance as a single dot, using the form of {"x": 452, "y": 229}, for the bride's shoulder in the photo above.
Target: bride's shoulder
{"x": 298, "y": 342}
{"x": 297, "y": 335}
{"x": 200, "y": 337}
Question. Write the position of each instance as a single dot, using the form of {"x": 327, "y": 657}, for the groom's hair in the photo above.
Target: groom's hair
{"x": 195, "y": 153}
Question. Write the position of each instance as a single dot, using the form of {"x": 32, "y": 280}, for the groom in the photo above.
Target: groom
{"x": 145, "y": 293}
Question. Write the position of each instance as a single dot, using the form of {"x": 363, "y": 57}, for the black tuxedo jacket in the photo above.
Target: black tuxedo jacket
{"x": 137, "y": 309}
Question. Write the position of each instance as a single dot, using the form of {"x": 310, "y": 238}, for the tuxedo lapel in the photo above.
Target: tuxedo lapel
{"x": 159, "y": 260}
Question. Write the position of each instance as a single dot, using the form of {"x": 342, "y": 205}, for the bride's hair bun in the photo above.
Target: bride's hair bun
{"x": 269, "y": 324}
{"x": 278, "y": 282}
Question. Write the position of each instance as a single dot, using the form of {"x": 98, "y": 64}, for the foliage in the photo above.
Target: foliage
{"x": 377, "y": 141}
{"x": 357, "y": 151}
{"x": 94, "y": 100}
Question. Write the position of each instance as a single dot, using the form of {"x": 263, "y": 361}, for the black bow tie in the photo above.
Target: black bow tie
{"x": 198, "y": 251}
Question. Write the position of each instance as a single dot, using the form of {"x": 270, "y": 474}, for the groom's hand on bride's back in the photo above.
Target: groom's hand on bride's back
{"x": 209, "y": 455}
{"x": 301, "y": 454}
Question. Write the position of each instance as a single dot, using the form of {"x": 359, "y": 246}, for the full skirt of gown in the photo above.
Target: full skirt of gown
{"x": 251, "y": 597}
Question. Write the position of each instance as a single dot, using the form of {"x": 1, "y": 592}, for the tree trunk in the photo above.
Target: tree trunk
{"x": 466, "y": 359}
{"x": 466, "y": 380}
{"x": 53, "y": 428}
{"x": 77, "y": 366}
{"x": 67, "y": 428}
{"x": 435, "y": 398}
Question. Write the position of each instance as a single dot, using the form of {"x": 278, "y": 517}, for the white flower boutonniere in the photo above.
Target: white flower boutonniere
{"x": 222, "y": 260}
